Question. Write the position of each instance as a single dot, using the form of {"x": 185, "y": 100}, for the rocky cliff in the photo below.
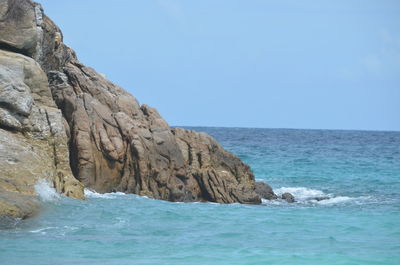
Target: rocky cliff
{"x": 33, "y": 142}
{"x": 58, "y": 115}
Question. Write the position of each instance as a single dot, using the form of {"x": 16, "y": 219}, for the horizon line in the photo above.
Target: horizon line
{"x": 282, "y": 128}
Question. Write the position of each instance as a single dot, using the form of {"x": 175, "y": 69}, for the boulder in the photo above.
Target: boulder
{"x": 320, "y": 198}
{"x": 265, "y": 191}
{"x": 288, "y": 197}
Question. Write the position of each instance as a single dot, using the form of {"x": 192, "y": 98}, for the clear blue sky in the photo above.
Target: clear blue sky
{"x": 240, "y": 63}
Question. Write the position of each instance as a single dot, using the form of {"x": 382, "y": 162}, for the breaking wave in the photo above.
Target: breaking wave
{"x": 301, "y": 193}
{"x": 93, "y": 194}
{"x": 305, "y": 195}
{"x": 46, "y": 191}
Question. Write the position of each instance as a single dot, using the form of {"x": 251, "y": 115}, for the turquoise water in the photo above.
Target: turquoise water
{"x": 359, "y": 224}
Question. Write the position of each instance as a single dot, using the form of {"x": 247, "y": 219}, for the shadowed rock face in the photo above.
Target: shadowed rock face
{"x": 265, "y": 191}
{"x": 115, "y": 143}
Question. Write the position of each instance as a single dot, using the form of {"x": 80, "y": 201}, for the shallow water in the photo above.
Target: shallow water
{"x": 358, "y": 224}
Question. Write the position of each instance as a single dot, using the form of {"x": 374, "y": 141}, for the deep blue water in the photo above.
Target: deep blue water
{"x": 359, "y": 224}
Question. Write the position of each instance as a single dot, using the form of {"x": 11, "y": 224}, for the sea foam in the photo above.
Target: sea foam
{"x": 92, "y": 194}
{"x": 301, "y": 193}
{"x": 46, "y": 191}
{"x": 339, "y": 199}
{"x": 305, "y": 195}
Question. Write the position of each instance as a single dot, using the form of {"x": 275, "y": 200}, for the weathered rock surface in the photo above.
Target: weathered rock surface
{"x": 19, "y": 26}
{"x": 33, "y": 143}
{"x": 115, "y": 143}
{"x": 265, "y": 191}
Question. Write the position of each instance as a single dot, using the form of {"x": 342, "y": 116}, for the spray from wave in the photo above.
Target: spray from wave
{"x": 46, "y": 191}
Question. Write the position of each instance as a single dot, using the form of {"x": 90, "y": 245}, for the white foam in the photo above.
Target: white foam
{"x": 334, "y": 200}
{"x": 46, "y": 191}
{"x": 301, "y": 193}
{"x": 93, "y": 194}
{"x": 304, "y": 195}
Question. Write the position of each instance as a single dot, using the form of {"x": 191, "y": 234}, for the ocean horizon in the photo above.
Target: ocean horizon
{"x": 197, "y": 127}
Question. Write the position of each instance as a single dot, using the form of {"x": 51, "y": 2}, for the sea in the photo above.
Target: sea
{"x": 359, "y": 223}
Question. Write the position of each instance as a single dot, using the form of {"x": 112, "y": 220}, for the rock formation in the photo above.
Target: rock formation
{"x": 114, "y": 143}
{"x": 288, "y": 197}
{"x": 265, "y": 191}
{"x": 33, "y": 143}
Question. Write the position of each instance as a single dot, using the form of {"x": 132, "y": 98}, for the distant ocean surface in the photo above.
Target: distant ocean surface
{"x": 359, "y": 224}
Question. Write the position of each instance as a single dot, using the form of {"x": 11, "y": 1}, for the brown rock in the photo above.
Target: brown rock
{"x": 116, "y": 144}
{"x": 119, "y": 145}
{"x": 265, "y": 191}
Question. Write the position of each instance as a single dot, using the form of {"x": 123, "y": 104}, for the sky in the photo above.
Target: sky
{"x": 240, "y": 63}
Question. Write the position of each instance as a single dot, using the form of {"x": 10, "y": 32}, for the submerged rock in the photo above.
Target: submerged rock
{"x": 288, "y": 197}
{"x": 265, "y": 191}
{"x": 76, "y": 119}
{"x": 320, "y": 198}
{"x": 15, "y": 206}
